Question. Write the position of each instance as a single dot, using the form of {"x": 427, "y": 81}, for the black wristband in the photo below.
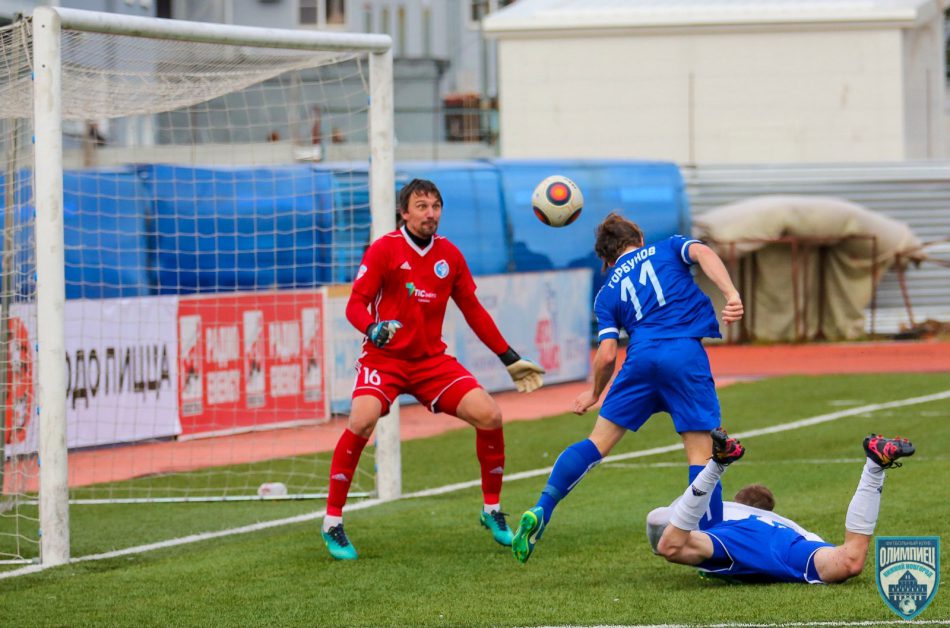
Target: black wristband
{"x": 509, "y": 357}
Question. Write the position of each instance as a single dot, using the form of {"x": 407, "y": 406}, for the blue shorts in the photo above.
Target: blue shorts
{"x": 669, "y": 375}
{"x": 760, "y": 551}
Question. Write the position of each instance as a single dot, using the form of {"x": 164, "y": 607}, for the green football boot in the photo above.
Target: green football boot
{"x": 528, "y": 533}
{"x": 338, "y": 543}
{"x": 496, "y": 524}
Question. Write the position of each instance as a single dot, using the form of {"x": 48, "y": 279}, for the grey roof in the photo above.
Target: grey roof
{"x": 540, "y": 15}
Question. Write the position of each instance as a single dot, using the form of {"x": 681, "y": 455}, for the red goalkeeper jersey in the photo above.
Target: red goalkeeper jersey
{"x": 397, "y": 280}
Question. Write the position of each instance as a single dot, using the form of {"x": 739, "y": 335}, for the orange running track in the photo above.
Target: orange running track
{"x": 729, "y": 364}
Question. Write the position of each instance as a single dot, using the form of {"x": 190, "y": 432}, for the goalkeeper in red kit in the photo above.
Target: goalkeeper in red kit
{"x": 398, "y": 300}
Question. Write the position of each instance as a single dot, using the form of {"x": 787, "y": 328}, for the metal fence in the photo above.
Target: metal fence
{"x": 916, "y": 193}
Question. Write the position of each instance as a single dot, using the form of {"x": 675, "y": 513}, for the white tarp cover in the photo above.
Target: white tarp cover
{"x": 804, "y": 263}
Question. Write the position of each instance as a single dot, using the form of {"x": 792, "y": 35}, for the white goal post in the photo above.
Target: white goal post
{"x": 48, "y": 25}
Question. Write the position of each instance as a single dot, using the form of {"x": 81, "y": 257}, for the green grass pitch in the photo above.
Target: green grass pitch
{"x": 426, "y": 561}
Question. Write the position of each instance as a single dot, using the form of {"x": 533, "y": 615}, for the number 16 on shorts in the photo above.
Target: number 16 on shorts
{"x": 368, "y": 377}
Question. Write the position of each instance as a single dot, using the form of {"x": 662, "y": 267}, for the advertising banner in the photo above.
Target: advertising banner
{"x": 120, "y": 373}
{"x": 20, "y": 410}
{"x": 21, "y": 435}
{"x": 251, "y": 359}
{"x": 545, "y": 316}
{"x": 344, "y": 346}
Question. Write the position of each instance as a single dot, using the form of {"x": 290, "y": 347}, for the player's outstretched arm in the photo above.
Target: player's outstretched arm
{"x": 605, "y": 361}
{"x": 526, "y": 375}
{"x": 716, "y": 271}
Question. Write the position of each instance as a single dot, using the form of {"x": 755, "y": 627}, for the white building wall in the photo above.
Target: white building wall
{"x": 804, "y": 96}
{"x": 584, "y": 97}
{"x": 925, "y": 84}
{"x": 711, "y": 97}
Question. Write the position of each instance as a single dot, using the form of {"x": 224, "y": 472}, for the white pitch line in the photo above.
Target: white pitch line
{"x": 824, "y": 418}
{"x": 791, "y": 624}
{"x": 794, "y": 425}
{"x": 451, "y": 488}
{"x": 745, "y": 463}
{"x": 769, "y": 463}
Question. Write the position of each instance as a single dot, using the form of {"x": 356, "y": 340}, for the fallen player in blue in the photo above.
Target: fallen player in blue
{"x": 754, "y": 500}
{"x": 762, "y": 548}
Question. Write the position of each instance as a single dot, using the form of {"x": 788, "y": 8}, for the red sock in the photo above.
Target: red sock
{"x": 490, "y": 449}
{"x": 345, "y": 458}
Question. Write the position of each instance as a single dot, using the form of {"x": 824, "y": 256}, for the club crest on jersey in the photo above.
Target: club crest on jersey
{"x": 361, "y": 271}
{"x": 441, "y": 269}
{"x": 908, "y": 572}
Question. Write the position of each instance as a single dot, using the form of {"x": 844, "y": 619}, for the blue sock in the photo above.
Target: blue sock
{"x": 569, "y": 468}
{"x": 714, "y": 515}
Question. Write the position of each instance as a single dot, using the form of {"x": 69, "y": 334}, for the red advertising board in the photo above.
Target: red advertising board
{"x": 19, "y": 397}
{"x": 251, "y": 359}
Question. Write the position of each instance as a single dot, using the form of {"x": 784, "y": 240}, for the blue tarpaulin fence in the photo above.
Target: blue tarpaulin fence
{"x": 222, "y": 230}
{"x": 167, "y": 229}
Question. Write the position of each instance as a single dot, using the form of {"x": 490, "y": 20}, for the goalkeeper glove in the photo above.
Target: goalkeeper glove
{"x": 524, "y": 373}
{"x": 382, "y": 332}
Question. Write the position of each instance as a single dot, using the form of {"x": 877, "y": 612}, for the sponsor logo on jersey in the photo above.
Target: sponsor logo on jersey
{"x": 405, "y": 266}
{"x": 441, "y": 269}
{"x": 697, "y": 492}
{"x": 423, "y": 296}
{"x": 361, "y": 271}
{"x": 908, "y": 572}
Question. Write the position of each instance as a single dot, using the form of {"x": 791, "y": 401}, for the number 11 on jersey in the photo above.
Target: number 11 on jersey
{"x": 628, "y": 293}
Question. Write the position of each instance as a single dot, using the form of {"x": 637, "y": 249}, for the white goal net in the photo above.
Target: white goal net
{"x": 215, "y": 182}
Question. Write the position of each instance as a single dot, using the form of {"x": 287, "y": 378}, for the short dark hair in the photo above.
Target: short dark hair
{"x": 757, "y": 496}
{"x": 615, "y": 234}
{"x": 417, "y": 186}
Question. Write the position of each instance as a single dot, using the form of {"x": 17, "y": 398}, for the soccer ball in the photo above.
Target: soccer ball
{"x": 908, "y": 606}
{"x": 557, "y": 201}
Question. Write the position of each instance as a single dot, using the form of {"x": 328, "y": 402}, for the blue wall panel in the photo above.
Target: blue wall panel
{"x": 22, "y": 234}
{"x": 105, "y": 225}
{"x": 250, "y": 229}
{"x": 106, "y": 216}
{"x": 652, "y": 194}
{"x": 473, "y": 215}
{"x": 165, "y": 229}
{"x": 351, "y": 218}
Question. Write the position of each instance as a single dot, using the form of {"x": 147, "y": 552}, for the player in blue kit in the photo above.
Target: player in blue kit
{"x": 761, "y": 547}
{"x": 650, "y": 292}
{"x": 753, "y": 500}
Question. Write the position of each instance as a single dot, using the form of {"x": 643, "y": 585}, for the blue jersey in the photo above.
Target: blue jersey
{"x": 762, "y": 550}
{"x": 651, "y": 293}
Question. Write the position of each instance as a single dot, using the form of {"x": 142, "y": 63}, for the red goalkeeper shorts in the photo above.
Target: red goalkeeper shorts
{"x": 439, "y": 382}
